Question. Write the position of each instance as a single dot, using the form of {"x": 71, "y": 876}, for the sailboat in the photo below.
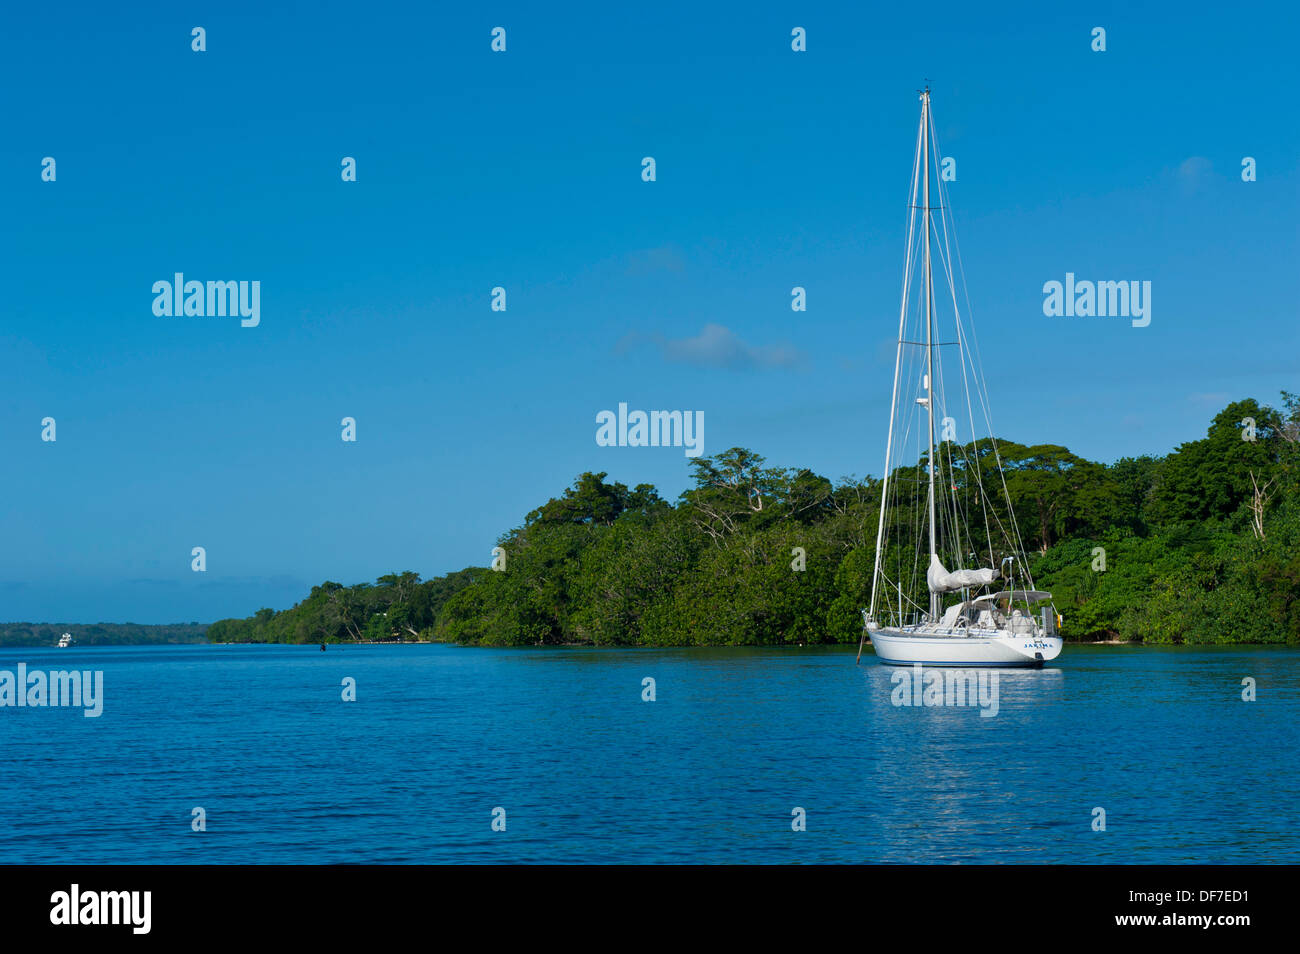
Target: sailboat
{"x": 985, "y": 611}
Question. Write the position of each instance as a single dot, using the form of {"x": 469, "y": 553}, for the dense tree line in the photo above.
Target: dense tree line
{"x": 396, "y": 607}
{"x": 1201, "y": 545}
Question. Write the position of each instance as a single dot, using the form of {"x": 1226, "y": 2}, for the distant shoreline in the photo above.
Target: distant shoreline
{"x": 28, "y": 634}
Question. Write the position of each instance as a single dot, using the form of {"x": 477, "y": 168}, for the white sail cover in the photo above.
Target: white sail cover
{"x": 941, "y": 581}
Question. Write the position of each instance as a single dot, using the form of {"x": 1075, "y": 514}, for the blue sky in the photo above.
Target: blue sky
{"x": 522, "y": 169}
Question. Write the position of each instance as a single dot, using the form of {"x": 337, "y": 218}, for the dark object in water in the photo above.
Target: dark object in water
{"x": 322, "y": 647}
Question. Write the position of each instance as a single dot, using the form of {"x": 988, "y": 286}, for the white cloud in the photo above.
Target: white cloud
{"x": 648, "y": 261}
{"x": 1194, "y": 172}
{"x": 717, "y": 346}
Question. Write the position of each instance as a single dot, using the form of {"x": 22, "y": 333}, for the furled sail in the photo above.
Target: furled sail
{"x": 941, "y": 581}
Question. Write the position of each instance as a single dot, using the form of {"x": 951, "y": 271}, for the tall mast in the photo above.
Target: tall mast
{"x": 893, "y": 401}
{"x": 929, "y": 322}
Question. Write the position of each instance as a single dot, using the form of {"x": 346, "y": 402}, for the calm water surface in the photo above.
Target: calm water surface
{"x": 587, "y": 772}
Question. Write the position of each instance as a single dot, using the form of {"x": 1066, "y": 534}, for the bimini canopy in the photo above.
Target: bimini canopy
{"x": 1029, "y": 596}
{"x": 941, "y": 581}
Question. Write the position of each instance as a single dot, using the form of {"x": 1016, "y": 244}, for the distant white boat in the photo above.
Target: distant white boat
{"x": 65, "y": 640}
{"x": 989, "y": 628}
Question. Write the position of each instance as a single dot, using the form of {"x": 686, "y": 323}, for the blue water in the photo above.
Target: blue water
{"x": 439, "y": 736}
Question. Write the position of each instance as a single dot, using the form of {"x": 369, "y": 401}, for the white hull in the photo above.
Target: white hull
{"x": 903, "y": 647}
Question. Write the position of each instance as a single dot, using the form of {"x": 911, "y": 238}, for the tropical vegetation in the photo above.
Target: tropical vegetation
{"x": 1201, "y": 545}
